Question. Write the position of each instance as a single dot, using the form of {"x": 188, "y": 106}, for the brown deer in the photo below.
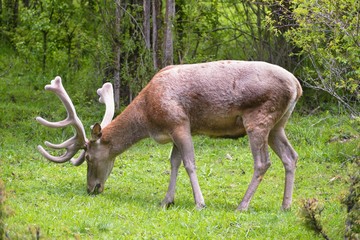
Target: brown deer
{"x": 220, "y": 99}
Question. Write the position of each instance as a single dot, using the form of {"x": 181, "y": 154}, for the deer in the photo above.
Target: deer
{"x": 221, "y": 99}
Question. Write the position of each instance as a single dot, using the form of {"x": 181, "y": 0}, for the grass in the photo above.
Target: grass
{"x": 49, "y": 201}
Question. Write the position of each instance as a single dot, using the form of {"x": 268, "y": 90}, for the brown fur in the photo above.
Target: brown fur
{"x": 213, "y": 97}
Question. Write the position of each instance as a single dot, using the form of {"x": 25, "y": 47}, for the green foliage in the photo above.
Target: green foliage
{"x": 58, "y": 38}
{"x": 40, "y": 40}
{"x": 352, "y": 201}
{"x": 195, "y": 38}
{"x": 311, "y": 212}
{"x": 136, "y": 59}
{"x": 2, "y": 214}
{"x": 327, "y": 35}
{"x": 213, "y": 30}
{"x": 69, "y": 38}
{"x": 136, "y": 67}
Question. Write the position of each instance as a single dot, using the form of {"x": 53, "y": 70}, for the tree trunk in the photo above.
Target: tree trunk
{"x": 156, "y": 26}
{"x": 146, "y": 23}
{"x": 15, "y": 13}
{"x": 284, "y": 20}
{"x": 117, "y": 52}
{"x": 1, "y": 12}
{"x": 11, "y": 14}
{"x": 181, "y": 19}
{"x": 169, "y": 19}
{"x": 1, "y": 22}
{"x": 45, "y": 34}
{"x": 26, "y": 3}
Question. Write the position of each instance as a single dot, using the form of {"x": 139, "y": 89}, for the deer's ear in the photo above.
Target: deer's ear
{"x": 96, "y": 132}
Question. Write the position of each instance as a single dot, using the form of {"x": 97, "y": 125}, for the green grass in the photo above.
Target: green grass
{"x": 51, "y": 200}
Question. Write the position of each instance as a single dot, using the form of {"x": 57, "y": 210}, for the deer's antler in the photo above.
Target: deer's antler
{"x": 106, "y": 94}
{"x": 75, "y": 143}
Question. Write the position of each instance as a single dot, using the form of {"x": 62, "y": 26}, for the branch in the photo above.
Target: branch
{"x": 329, "y": 89}
{"x": 134, "y": 20}
{"x": 6, "y": 71}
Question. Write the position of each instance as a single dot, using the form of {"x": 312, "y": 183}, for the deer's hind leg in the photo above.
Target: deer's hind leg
{"x": 282, "y": 147}
{"x": 259, "y": 149}
{"x": 257, "y": 127}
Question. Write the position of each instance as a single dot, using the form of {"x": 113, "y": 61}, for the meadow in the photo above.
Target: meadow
{"x": 44, "y": 200}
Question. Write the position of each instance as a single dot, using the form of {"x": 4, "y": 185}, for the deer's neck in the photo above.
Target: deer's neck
{"x": 126, "y": 129}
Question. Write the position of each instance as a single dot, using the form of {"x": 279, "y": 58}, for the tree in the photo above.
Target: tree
{"x": 146, "y": 23}
{"x": 117, "y": 55}
{"x": 317, "y": 39}
{"x": 50, "y": 31}
{"x": 129, "y": 62}
{"x": 327, "y": 34}
{"x": 228, "y": 29}
{"x": 156, "y": 35}
{"x": 1, "y": 21}
{"x": 9, "y": 17}
{"x": 169, "y": 22}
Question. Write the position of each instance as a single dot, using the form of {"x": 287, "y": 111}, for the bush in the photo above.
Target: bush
{"x": 352, "y": 201}
{"x": 2, "y": 215}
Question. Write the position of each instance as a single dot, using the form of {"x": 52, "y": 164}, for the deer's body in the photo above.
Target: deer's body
{"x": 219, "y": 99}
{"x": 212, "y": 98}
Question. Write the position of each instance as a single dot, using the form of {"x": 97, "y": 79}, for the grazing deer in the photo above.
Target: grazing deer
{"x": 220, "y": 99}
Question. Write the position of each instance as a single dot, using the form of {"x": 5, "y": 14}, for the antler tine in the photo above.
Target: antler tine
{"x": 60, "y": 159}
{"x": 78, "y": 161}
{"x": 65, "y": 144}
{"x": 106, "y": 94}
{"x": 75, "y": 143}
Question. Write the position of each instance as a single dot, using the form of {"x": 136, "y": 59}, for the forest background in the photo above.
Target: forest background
{"x": 126, "y": 42}
{"x": 89, "y": 42}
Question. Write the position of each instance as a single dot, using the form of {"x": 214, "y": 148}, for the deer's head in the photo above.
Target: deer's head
{"x": 95, "y": 151}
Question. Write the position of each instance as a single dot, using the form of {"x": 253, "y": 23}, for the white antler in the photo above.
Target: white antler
{"x": 106, "y": 94}
{"x": 75, "y": 143}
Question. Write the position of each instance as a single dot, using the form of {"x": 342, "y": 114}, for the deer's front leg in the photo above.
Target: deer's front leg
{"x": 183, "y": 141}
{"x": 175, "y": 161}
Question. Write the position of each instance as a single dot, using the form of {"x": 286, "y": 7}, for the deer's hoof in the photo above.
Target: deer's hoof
{"x": 200, "y": 206}
{"x": 239, "y": 209}
{"x": 243, "y": 207}
{"x": 286, "y": 208}
{"x": 166, "y": 204}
